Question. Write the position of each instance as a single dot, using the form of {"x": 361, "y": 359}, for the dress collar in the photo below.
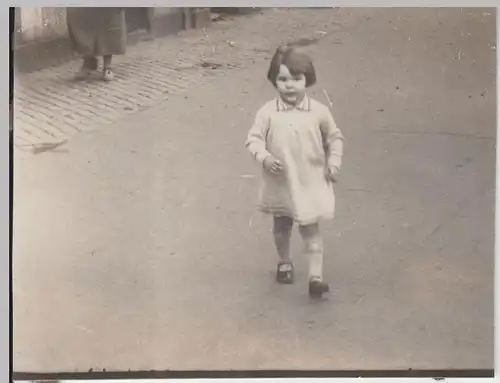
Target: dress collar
{"x": 304, "y": 105}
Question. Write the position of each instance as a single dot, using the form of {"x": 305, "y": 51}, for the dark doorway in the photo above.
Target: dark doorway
{"x": 137, "y": 18}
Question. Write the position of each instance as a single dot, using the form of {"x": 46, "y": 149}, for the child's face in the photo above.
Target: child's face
{"x": 291, "y": 88}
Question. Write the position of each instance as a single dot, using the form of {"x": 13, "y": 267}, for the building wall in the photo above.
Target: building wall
{"x": 40, "y": 39}
{"x": 165, "y": 10}
{"x": 48, "y": 23}
{"x": 42, "y": 23}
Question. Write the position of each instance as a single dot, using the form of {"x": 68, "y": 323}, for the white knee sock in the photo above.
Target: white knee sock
{"x": 314, "y": 251}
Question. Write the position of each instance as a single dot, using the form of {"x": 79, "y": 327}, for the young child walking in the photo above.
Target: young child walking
{"x": 296, "y": 141}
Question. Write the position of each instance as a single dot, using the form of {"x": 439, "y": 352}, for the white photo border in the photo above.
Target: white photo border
{"x": 6, "y": 356}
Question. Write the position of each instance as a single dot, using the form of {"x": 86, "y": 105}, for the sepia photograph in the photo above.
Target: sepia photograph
{"x": 253, "y": 189}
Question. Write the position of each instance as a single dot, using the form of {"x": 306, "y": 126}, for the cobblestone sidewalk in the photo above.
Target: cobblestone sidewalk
{"x": 50, "y": 107}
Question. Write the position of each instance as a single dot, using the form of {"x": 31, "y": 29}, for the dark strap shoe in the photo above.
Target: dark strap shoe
{"x": 284, "y": 273}
{"x": 317, "y": 287}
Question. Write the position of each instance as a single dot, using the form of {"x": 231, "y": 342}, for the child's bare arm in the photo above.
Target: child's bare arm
{"x": 256, "y": 141}
{"x": 334, "y": 143}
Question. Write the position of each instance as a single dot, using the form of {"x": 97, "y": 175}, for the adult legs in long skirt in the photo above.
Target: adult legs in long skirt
{"x": 314, "y": 250}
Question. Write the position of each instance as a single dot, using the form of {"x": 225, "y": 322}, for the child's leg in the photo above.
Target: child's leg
{"x": 314, "y": 250}
{"x": 282, "y": 231}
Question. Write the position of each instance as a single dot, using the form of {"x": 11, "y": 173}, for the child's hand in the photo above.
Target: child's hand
{"x": 332, "y": 174}
{"x": 273, "y": 165}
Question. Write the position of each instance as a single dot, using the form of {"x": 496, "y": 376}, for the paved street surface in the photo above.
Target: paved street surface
{"x": 137, "y": 245}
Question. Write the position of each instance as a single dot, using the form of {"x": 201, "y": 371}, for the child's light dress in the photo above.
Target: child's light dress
{"x": 307, "y": 141}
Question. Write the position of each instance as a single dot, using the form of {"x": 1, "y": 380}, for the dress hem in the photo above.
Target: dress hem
{"x": 286, "y": 213}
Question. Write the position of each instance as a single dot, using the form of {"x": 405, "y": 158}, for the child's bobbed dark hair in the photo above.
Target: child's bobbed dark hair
{"x": 297, "y": 63}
